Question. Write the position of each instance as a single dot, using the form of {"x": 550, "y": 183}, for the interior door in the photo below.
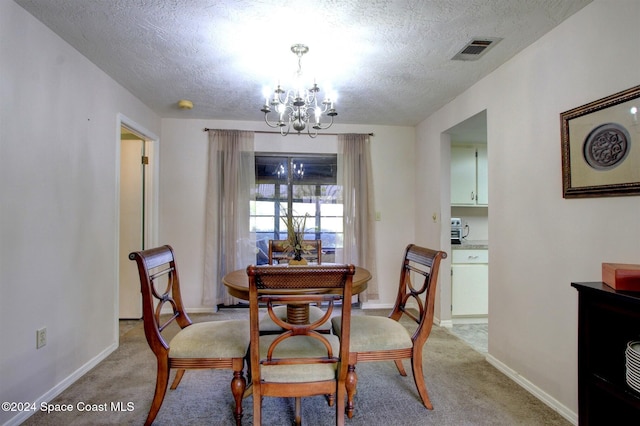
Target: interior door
{"x": 132, "y": 212}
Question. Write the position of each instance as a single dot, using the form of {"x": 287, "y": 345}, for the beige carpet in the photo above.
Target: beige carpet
{"x": 464, "y": 389}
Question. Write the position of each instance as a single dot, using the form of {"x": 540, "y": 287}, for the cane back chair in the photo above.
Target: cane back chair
{"x": 299, "y": 361}
{"x": 278, "y": 255}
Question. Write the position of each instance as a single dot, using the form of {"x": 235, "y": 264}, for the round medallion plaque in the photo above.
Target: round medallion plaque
{"x": 606, "y": 146}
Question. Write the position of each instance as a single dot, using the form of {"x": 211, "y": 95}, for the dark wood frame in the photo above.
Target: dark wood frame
{"x": 609, "y": 108}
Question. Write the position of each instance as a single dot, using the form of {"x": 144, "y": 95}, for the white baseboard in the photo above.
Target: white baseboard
{"x": 561, "y": 409}
{"x": 64, "y": 384}
{"x": 443, "y": 323}
{"x": 470, "y": 320}
{"x": 370, "y": 305}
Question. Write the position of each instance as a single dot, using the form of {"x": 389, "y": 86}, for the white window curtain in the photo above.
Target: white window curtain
{"x": 229, "y": 244}
{"x": 355, "y": 175}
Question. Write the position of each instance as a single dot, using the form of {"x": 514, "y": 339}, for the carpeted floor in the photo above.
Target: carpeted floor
{"x": 464, "y": 389}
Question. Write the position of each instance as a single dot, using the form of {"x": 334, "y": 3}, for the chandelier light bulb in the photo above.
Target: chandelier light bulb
{"x": 266, "y": 92}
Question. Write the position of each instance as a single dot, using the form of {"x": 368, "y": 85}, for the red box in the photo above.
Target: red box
{"x": 621, "y": 276}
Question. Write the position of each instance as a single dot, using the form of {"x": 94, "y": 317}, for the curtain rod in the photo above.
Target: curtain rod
{"x": 206, "y": 129}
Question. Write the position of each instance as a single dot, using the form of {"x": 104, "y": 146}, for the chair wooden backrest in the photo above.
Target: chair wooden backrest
{"x": 423, "y": 264}
{"x": 157, "y": 265}
{"x": 279, "y": 254}
{"x": 278, "y": 368}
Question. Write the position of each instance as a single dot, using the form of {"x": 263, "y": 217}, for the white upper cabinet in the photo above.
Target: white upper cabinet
{"x": 463, "y": 175}
{"x": 469, "y": 175}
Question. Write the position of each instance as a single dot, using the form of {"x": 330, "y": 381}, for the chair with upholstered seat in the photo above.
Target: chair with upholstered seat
{"x": 279, "y": 255}
{"x": 376, "y": 338}
{"x": 299, "y": 361}
{"x": 206, "y": 345}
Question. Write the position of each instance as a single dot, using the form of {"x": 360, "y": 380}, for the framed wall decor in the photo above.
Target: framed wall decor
{"x": 601, "y": 147}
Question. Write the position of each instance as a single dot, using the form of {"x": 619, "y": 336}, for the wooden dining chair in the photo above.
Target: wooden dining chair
{"x": 205, "y": 345}
{"x": 278, "y": 255}
{"x": 376, "y": 338}
{"x": 299, "y": 361}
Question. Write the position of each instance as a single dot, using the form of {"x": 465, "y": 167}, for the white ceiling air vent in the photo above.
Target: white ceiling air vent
{"x": 476, "y": 48}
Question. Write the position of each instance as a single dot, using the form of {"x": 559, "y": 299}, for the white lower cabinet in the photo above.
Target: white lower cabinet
{"x": 469, "y": 283}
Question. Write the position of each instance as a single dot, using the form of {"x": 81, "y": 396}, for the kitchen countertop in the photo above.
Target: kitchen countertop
{"x": 471, "y": 245}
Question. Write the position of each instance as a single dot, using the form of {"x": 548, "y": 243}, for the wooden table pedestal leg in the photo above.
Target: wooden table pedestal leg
{"x": 298, "y": 314}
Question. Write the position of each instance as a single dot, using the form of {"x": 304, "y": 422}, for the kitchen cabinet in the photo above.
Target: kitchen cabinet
{"x": 607, "y": 321}
{"x": 469, "y": 175}
{"x": 470, "y": 283}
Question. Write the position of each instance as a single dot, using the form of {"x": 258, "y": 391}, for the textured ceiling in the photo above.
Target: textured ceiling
{"x": 388, "y": 60}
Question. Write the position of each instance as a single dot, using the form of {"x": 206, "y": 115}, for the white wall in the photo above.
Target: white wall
{"x": 541, "y": 242}
{"x": 183, "y": 171}
{"x": 58, "y": 183}
{"x": 58, "y": 216}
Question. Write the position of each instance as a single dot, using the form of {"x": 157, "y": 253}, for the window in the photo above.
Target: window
{"x": 298, "y": 185}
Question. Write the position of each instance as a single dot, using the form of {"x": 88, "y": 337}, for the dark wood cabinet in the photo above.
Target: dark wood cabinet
{"x": 607, "y": 321}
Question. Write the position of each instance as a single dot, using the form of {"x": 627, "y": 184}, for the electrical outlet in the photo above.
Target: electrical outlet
{"x": 41, "y": 337}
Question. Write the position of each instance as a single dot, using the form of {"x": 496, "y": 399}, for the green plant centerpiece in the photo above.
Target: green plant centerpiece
{"x": 295, "y": 239}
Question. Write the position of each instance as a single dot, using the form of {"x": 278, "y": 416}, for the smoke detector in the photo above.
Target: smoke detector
{"x": 185, "y": 104}
{"x": 475, "y": 48}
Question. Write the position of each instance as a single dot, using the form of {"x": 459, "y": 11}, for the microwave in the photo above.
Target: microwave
{"x": 456, "y": 230}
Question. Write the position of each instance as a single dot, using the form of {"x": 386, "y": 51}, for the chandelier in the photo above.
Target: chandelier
{"x": 297, "y": 171}
{"x": 298, "y": 108}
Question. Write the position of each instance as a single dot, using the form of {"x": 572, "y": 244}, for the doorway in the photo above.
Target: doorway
{"x": 135, "y": 215}
{"x": 470, "y": 206}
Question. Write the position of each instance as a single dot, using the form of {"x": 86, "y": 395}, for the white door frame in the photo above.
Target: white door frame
{"x": 151, "y": 195}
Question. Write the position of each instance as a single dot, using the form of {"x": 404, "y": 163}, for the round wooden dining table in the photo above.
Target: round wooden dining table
{"x": 237, "y": 283}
